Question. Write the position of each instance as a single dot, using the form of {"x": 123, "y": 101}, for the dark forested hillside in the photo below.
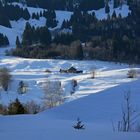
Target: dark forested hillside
{"x": 11, "y": 12}
{"x": 114, "y": 38}
{"x": 64, "y": 4}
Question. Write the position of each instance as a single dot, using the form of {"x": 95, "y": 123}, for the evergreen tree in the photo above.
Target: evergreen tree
{"x": 18, "y": 44}
{"x": 63, "y": 26}
{"x": 27, "y": 37}
{"x": 51, "y": 18}
{"x": 26, "y": 14}
{"x": 4, "y": 21}
{"x": 44, "y": 36}
{"x": 116, "y": 3}
{"x": 114, "y": 15}
{"x": 6, "y": 41}
{"x": 5, "y": 78}
{"x": 107, "y": 8}
{"x": 16, "y": 108}
{"x": 33, "y": 16}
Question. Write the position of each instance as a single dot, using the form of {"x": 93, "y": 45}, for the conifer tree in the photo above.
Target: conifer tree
{"x": 18, "y": 44}
{"x": 107, "y": 8}
{"x": 16, "y": 108}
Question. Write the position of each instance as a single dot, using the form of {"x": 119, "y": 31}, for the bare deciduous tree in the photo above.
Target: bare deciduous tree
{"x": 5, "y": 78}
{"x": 53, "y": 93}
{"x": 74, "y": 83}
{"x": 93, "y": 72}
{"x": 129, "y": 115}
{"x": 32, "y": 108}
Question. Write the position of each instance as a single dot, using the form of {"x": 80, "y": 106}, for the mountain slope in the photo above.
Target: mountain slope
{"x": 19, "y": 26}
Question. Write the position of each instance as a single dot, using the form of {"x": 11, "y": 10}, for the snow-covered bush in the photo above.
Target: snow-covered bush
{"x": 22, "y": 87}
{"x": 131, "y": 73}
{"x": 79, "y": 124}
{"x": 53, "y": 93}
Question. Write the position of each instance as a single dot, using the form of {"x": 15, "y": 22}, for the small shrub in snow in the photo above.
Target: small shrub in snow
{"x": 47, "y": 71}
{"x": 22, "y": 87}
{"x": 79, "y": 124}
{"x": 131, "y": 74}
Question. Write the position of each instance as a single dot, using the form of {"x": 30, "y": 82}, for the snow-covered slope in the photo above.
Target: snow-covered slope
{"x": 97, "y": 112}
{"x": 32, "y": 72}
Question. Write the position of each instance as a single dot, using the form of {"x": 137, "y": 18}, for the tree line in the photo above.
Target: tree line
{"x": 3, "y": 40}
{"x": 65, "y": 4}
{"x": 70, "y": 5}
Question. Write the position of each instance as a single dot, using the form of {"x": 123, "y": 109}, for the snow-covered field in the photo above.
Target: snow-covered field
{"x": 96, "y": 101}
{"x": 32, "y": 72}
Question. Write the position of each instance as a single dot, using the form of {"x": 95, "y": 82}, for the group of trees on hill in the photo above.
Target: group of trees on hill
{"x": 72, "y": 51}
{"x": 11, "y": 12}
{"x": 50, "y": 16}
{"x": 32, "y": 35}
{"x": 114, "y": 38}
{"x": 3, "y": 40}
{"x": 70, "y": 5}
{"x": 67, "y": 4}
